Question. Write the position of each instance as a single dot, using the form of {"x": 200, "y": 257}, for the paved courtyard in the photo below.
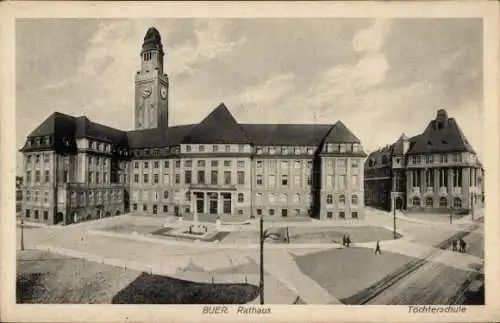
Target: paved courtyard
{"x": 308, "y": 268}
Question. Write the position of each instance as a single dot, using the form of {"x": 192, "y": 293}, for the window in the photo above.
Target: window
{"x": 227, "y": 163}
{"x": 309, "y": 164}
{"x": 443, "y": 202}
{"x": 342, "y": 199}
{"x": 201, "y": 148}
{"x": 46, "y": 176}
{"x": 416, "y": 201}
{"x": 329, "y": 215}
{"x": 45, "y": 215}
{"x": 187, "y": 177}
{"x": 310, "y": 151}
{"x": 260, "y": 163}
{"x": 457, "y": 203}
{"x": 342, "y": 215}
{"x": 90, "y": 176}
{"x": 272, "y": 197}
{"x": 329, "y": 199}
{"x": 188, "y": 148}
{"x": 259, "y": 179}
{"x": 429, "y": 178}
{"x": 241, "y": 148}
{"x": 309, "y": 180}
{"x": 259, "y": 150}
{"x": 200, "y": 163}
{"x": 342, "y": 181}
{"x": 457, "y": 177}
{"x": 354, "y": 163}
{"x": 429, "y": 159}
{"x": 45, "y": 197}
{"x": 259, "y": 211}
{"x": 284, "y": 198}
{"x": 201, "y": 177}
{"x": 177, "y": 178}
{"x": 28, "y": 176}
{"x": 428, "y": 201}
{"x": 37, "y": 176}
{"x": 37, "y": 160}
{"x": 165, "y": 209}
{"x": 297, "y": 180}
{"x": 144, "y": 207}
{"x": 146, "y": 178}
{"x": 284, "y": 150}
{"x": 444, "y": 158}
{"x": 284, "y": 213}
{"x": 134, "y": 206}
{"x": 46, "y": 158}
{"x": 271, "y": 212}
{"x": 297, "y": 164}
{"x": 271, "y": 150}
{"x": 156, "y": 164}
{"x": 241, "y": 198}
{"x": 36, "y": 214}
{"x": 284, "y": 165}
{"x": 27, "y": 213}
{"x": 296, "y": 151}
{"x": 273, "y": 164}
{"x": 146, "y": 164}
{"x": 214, "y": 176}
{"x": 354, "y": 215}
{"x": 296, "y": 198}
{"x": 341, "y": 163}
{"x": 165, "y": 195}
{"x": 259, "y": 198}
{"x": 136, "y": 178}
{"x": 214, "y": 163}
{"x": 28, "y": 195}
{"x": 354, "y": 200}
{"x": 227, "y": 148}
{"x": 215, "y": 148}
{"x": 241, "y": 164}
{"x": 443, "y": 177}
{"x": 240, "y": 212}
{"x": 241, "y": 178}
{"x": 284, "y": 180}
{"x": 177, "y": 164}
{"x": 227, "y": 178}
{"x": 166, "y": 164}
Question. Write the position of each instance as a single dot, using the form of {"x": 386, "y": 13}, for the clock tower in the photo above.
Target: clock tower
{"x": 151, "y": 85}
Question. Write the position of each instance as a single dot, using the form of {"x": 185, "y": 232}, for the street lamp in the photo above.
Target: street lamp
{"x": 472, "y": 206}
{"x": 451, "y": 213}
{"x": 264, "y": 234}
{"x": 22, "y": 234}
{"x": 394, "y": 215}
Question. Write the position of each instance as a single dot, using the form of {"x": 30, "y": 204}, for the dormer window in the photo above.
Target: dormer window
{"x": 310, "y": 151}
{"x": 284, "y": 150}
{"x": 259, "y": 150}
{"x": 271, "y": 150}
{"x": 342, "y": 148}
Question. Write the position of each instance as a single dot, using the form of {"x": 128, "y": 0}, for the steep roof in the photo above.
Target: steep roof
{"x": 286, "y": 134}
{"x": 56, "y": 123}
{"x": 88, "y": 129}
{"x": 434, "y": 140}
{"x": 341, "y": 134}
{"x": 218, "y": 127}
{"x": 157, "y": 138}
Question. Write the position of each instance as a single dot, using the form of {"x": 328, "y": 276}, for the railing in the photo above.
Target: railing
{"x": 443, "y": 190}
{"x": 416, "y": 190}
{"x": 457, "y": 190}
{"x": 217, "y": 187}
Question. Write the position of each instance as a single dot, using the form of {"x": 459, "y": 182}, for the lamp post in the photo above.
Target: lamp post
{"x": 264, "y": 234}
{"x": 394, "y": 215}
{"x": 22, "y": 234}
{"x": 451, "y": 213}
{"x": 472, "y": 206}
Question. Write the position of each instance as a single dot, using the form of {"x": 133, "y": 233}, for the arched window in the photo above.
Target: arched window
{"x": 416, "y": 201}
{"x": 329, "y": 199}
{"x": 457, "y": 203}
{"x": 354, "y": 199}
{"x": 296, "y": 198}
{"x": 342, "y": 199}
{"x": 284, "y": 198}
{"x": 443, "y": 202}
{"x": 429, "y": 201}
{"x": 165, "y": 195}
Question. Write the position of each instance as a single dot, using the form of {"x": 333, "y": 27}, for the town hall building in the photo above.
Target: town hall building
{"x": 76, "y": 169}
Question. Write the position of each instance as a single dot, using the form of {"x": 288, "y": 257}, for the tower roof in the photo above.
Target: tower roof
{"x": 152, "y": 40}
{"x": 341, "y": 134}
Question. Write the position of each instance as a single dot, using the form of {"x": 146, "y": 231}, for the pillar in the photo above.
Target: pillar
{"x": 466, "y": 189}
{"x": 219, "y": 203}
{"x": 205, "y": 202}
{"x": 436, "y": 188}
{"x": 232, "y": 203}
{"x": 450, "y": 186}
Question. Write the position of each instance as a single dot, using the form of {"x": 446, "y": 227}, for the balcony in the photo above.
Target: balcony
{"x": 443, "y": 190}
{"x": 457, "y": 191}
{"x": 415, "y": 190}
{"x": 429, "y": 189}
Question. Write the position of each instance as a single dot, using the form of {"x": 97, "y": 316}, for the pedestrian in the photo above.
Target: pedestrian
{"x": 377, "y": 248}
{"x": 344, "y": 240}
{"x": 462, "y": 245}
{"x": 454, "y": 245}
{"x": 349, "y": 240}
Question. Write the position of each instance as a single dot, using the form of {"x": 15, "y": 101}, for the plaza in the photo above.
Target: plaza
{"x": 307, "y": 268}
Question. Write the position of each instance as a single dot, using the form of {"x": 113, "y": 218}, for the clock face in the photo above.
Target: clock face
{"x": 163, "y": 92}
{"x": 146, "y": 92}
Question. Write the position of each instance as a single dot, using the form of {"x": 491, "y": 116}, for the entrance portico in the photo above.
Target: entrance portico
{"x": 213, "y": 203}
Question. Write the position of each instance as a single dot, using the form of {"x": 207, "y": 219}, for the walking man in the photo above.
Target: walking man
{"x": 348, "y": 240}
{"x": 454, "y": 245}
{"x": 377, "y": 248}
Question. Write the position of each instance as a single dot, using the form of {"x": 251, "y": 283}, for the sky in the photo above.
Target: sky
{"x": 381, "y": 77}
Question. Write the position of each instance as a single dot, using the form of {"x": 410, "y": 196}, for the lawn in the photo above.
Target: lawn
{"x": 345, "y": 272}
{"x": 44, "y": 277}
{"x": 335, "y": 234}
{"x": 129, "y": 228}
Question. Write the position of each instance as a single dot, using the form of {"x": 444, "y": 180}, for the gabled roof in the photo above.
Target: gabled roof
{"x": 448, "y": 139}
{"x": 219, "y": 127}
{"x": 56, "y": 123}
{"x": 88, "y": 129}
{"x": 157, "y": 138}
{"x": 340, "y": 134}
{"x": 286, "y": 134}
